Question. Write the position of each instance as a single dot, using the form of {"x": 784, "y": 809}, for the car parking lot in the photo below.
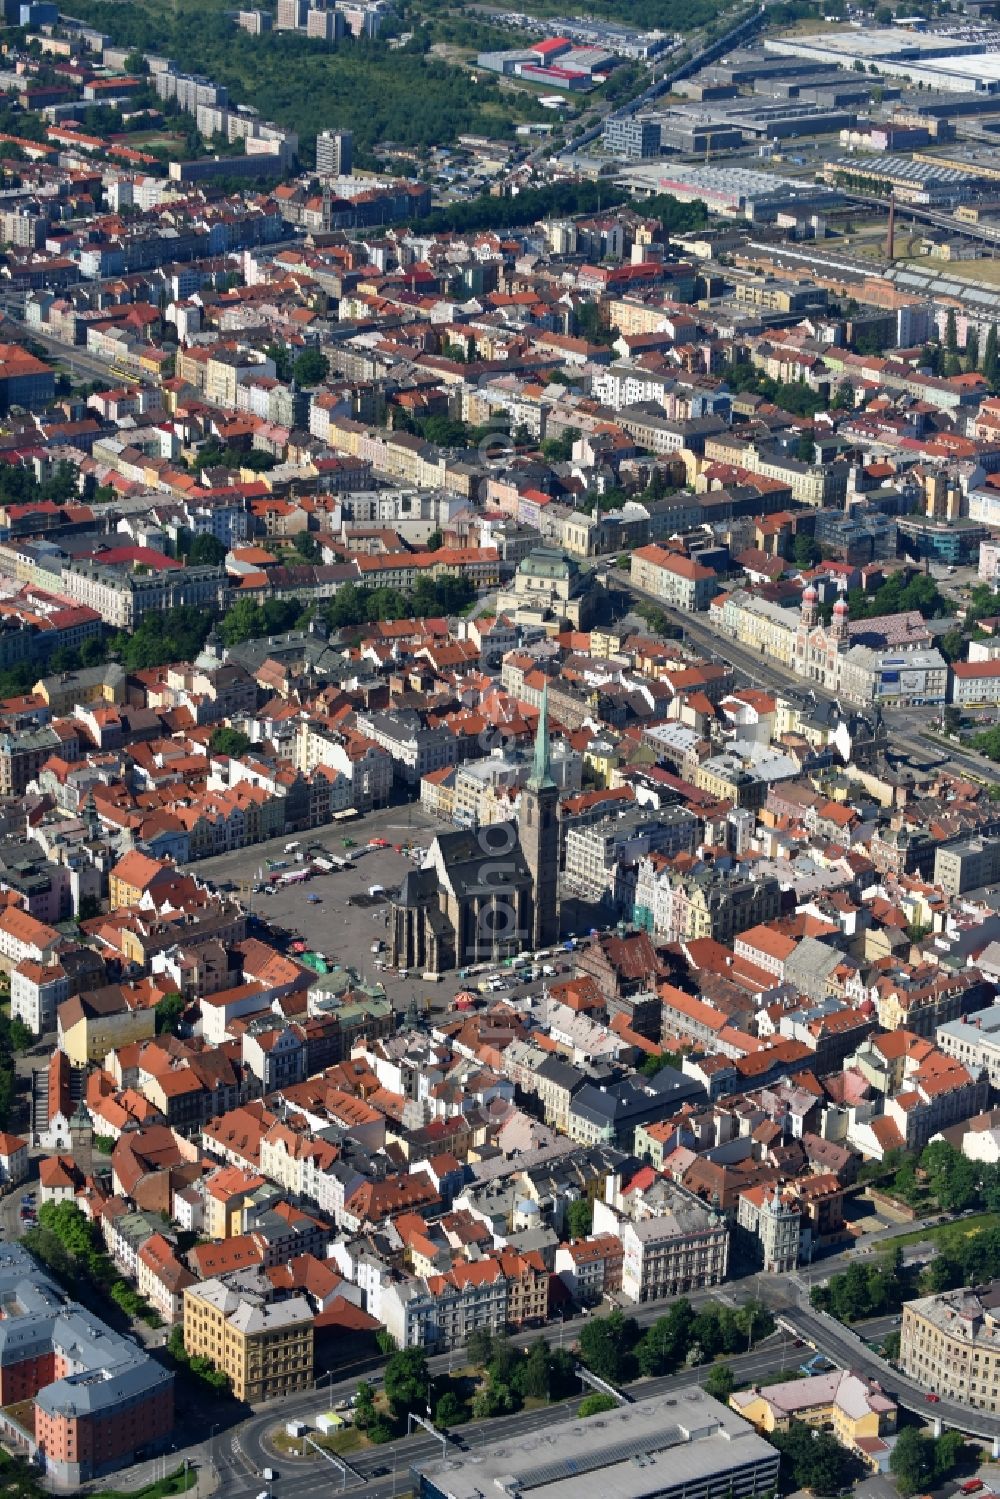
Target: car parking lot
{"x": 333, "y": 913}
{"x": 337, "y": 914}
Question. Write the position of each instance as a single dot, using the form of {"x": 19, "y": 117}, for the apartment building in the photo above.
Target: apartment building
{"x": 967, "y": 865}
{"x": 589, "y": 1268}
{"x": 95, "y": 1399}
{"x": 440, "y": 1311}
{"x": 366, "y": 765}
{"x": 771, "y": 1226}
{"x": 335, "y": 152}
{"x": 950, "y": 1344}
{"x": 593, "y": 853}
{"x": 823, "y": 486}
{"x": 712, "y": 903}
{"x": 123, "y": 598}
{"x": 413, "y": 747}
{"x": 762, "y": 625}
{"x": 504, "y": 1289}
{"x": 975, "y": 1042}
{"x": 683, "y": 1250}
{"x": 679, "y": 581}
{"x": 22, "y": 755}
{"x": 36, "y": 991}
{"x": 263, "y": 1345}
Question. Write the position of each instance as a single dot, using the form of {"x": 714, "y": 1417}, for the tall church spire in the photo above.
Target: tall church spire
{"x": 539, "y": 834}
{"x": 541, "y": 766}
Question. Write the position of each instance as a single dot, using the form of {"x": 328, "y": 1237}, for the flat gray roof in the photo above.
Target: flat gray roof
{"x": 650, "y": 1447}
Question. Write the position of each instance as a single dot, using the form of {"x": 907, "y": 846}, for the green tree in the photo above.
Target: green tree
{"x": 308, "y": 547}
{"x": 449, "y": 1411}
{"x": 720, "y": 1382}
{"x": 244, "y": 621}
{"x": 805, "y": 448}
{"x": 407, "y": 1382}
{"x": 950, "y": 645}
{"x": 493, "y": 1399}
{"x": 533, "y": 1376}
{"x": 657, "y": 1060}
{"x": 951, "y": 332}
{"x": 175, "y": 1345}
{"x": 20, "y": 1035}
{"x": 813, "y": 1459}
{"x": 435, "y": 541}
{"x": 168, "y": 1014}
{"x": 590, "y": 324}
{"x": 911, "y": 1461}
{"x": 175, "y": 635}
{"x": 281, "y": 355}
{"x": 311, "y": 367}
{"x": 991, "y": 359}
{"x": 579, "y": 1218}
{"x": 606, "y": 1345}
{"x": 504, "y": 1359}
{"x": 805, "y": 550}
{"x": 479, "y": 1346}
{"x": 206, "y": 551}
{"x": 93, "y": 651}
{"x": 664, "y": 1345}
{"x": 972, "y": 349}
{"x": 365, "y": 1414}
{"x": 228, "y": 741}
{"x": 949, "y": 1452}
{"x": 560, "y": 449}
{"x": 596, "y": 1405}
{"x": 754, "y": 1321}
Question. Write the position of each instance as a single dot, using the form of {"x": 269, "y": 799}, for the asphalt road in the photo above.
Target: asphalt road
{"x": 77, "y": 360}
{"x": 240, "y": 1453}
{"x": 846, "y": 1348}
{"x": 385, "y": 1469}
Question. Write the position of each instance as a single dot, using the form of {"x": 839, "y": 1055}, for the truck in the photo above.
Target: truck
{"x": 324, "y": 865}
{"x": 377, "y": 947}
{"x": 291, "y": 847}
{"x": 376, "y": 889}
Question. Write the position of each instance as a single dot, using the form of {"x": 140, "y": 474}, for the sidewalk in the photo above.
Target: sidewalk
{"x": 141, "y": 1475}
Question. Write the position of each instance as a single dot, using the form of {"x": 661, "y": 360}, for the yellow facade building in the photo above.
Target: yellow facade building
{"x": 265, "y": 1347}
{"x": 858, "y": 1410}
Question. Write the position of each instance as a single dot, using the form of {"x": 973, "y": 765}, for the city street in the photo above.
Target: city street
{"x": 240, "y": 1457}
{"x": 240, "y": 1454}
{"x": 904, "y": 725}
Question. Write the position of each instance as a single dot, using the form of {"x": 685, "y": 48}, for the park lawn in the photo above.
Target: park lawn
{"x": 346, "y": 1440}
{"x": 975, "y": 270}
{"x": 174, "y": 1483}
{"x": 342, "y": 1442}
{"x": 960, "y": 1228}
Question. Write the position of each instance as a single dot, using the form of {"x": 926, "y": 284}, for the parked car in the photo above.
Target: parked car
{"x": 933, "y": 1399}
